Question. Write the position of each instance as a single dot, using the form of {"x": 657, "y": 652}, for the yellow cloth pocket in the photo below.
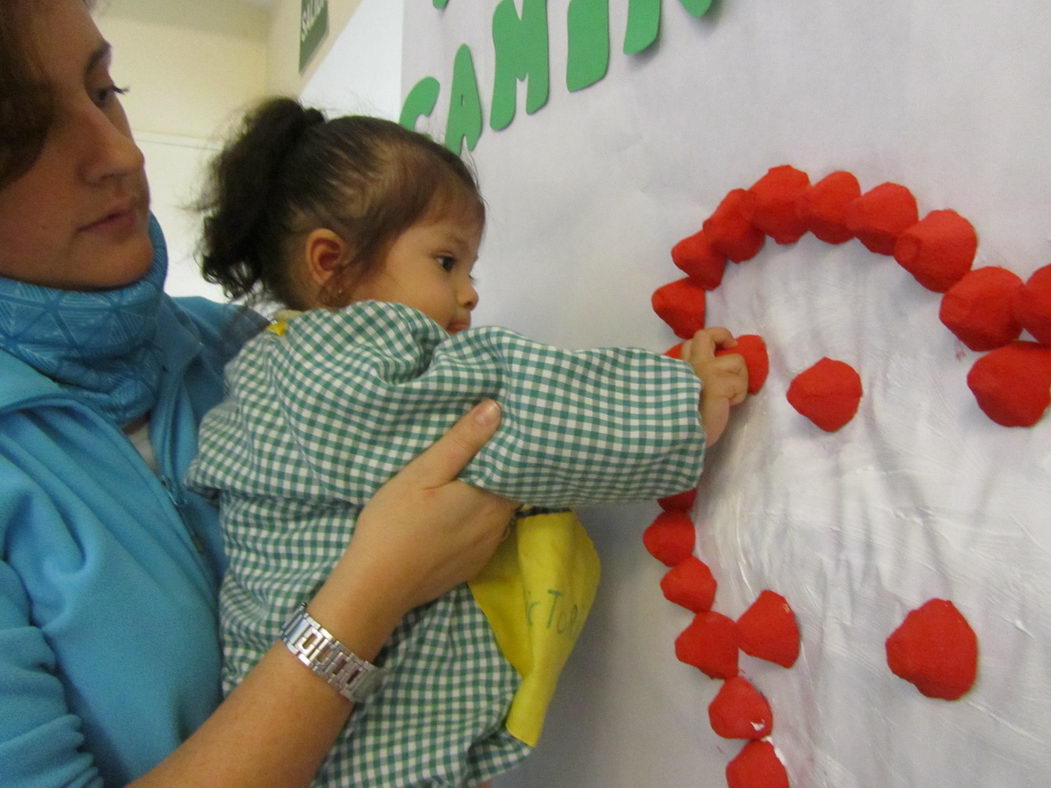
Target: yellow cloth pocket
{"x": 536, "y": 593}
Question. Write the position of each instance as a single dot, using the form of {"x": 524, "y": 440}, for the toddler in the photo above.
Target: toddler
{"x": 367, "y": 234}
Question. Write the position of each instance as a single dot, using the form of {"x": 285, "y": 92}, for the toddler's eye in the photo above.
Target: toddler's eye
{"x": 446, "y": 262}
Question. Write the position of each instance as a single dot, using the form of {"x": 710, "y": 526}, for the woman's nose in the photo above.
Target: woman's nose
{"x": 109, "y": 150}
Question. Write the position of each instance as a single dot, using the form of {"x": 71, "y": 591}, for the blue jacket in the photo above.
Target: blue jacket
{"x": 108, "y": 572}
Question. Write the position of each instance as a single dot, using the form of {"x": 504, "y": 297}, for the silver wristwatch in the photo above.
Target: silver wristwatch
{"x": 313, "y": 645}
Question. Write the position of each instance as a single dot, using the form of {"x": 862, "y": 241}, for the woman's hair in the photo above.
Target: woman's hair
{"x": 26, "y": 109}
{"x": 25, "y": 98}
{"x": 290, "y": 171}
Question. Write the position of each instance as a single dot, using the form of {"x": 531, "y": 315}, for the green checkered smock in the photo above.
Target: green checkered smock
{"x": 315, "y": 420}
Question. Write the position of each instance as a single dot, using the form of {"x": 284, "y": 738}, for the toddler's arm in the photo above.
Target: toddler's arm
{"x": 724, "y": 378}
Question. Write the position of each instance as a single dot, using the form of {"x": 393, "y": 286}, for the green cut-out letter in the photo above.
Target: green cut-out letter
{"x": 521, "y": 45}
{"x": 588, "y": 25}
{"x": 697, "y": 7}
{"x": 420, "y": 102}
{"x": 441, "y": 3}
{"x": 644, "y": 24}
{"x": 465, "y": 104}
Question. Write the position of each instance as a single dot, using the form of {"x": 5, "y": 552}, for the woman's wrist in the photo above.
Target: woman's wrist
{"x": 357, "y": 609}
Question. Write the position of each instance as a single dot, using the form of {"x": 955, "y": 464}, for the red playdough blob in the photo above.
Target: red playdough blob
{"x": 935, "y": 649}
{"x": 756, "y": 766}
{"x": 1032, "y": 305}
{"x": 768, "y": 630}
{"x": 823, "y": 207}
{"x": 695, "y": 256}
{"x": 828, "y": 393}
{"x": 709, "y": 643}
{"x": 979, "y": 309}
{"x": 739, "y": 711}
{"x": 681, "y": 305}
{"x": 938, "y": 250}
{"x": 690, "y": 583}
{"x": 772, "y": 203}
{"x": 670, "y": 538}
{"x": 879, "y": 216}
{"x": 682, "y": 502}
{"x": 1013, "y": 383}
{"x": 730, "y": 232}
{"x": 675, "y": 351}
{"x": 753, "y": 348}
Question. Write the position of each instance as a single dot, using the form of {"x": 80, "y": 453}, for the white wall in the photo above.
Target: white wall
{"x": 283, "y": 71}
{"x": 192, "y": 67}
{"x": 919, "y": 496}
{"x": 361, "y": 72}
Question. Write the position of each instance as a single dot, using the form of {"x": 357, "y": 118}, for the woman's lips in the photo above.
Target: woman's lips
{"x": 119, "y": 220}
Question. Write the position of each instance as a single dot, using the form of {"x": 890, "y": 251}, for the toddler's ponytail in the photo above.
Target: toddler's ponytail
{"x": 247, "y": 215}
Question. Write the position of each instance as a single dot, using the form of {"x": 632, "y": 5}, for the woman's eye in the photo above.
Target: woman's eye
{"x": 105, "y": 95}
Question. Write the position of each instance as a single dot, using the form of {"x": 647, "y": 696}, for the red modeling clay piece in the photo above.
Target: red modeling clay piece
{"x": 1013, "y": 383}
{"x": 1032, "y": 305}
{"x": 879, "y": 216}
{"x": 670, "y": 538}
{"x": 979, "y": 308}
{"x": 739, "y": 711}
{"x": 682, "y": 502}
{"x": 675, "y": 351}
{"x": 828, "y": 393}
{"x": 823, "y": 207}
{"x": 756, "y": 766}
{"x": 690, "y": 583}
{"x": 768, "y": 630}
{"x": 709, "y": 643}
{"x": 680, "y": 304}
{"x": 695, "y": 256}
{"x": 772, "y": 207}
{"x": 935, "y": 649}
{"x": 938, "y": 250}
{"x": 730, "y": 232}
{"x": 753, "y": 348}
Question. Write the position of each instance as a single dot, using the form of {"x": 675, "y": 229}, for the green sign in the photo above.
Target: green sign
{"x": 313, "y": 26}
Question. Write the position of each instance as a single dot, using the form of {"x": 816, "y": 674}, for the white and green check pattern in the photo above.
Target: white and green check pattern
{"x": 316, "y": 420}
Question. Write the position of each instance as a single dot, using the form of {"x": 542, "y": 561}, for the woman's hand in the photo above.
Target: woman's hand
{"x": 724, "y": 378}
{"x": 421, "y": 534}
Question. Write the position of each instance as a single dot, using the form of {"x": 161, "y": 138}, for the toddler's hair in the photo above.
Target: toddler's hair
{"x": 290, "y": 171}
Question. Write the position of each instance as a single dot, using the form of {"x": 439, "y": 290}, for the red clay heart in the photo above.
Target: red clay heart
{"x": 768, "y": 630}
{"x": 827, "y": 393}
{"x": 739, "y": 711}
{"x": 756, "y": 766}
{"x": 935, "y": 649}
{"x": 671, "y": 537}
{"x": 690, "y": 583}
{"x": 709, "y": 643}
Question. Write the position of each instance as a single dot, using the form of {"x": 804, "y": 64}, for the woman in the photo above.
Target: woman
{"x": 108, "y": 567}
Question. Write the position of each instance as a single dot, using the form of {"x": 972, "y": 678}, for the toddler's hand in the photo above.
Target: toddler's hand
{"x": 724, "y": 378}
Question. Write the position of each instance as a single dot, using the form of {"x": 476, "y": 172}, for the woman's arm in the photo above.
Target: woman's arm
{"x": 420, "y": 535}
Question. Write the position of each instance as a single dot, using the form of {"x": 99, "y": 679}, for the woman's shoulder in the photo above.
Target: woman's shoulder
{"x": 223, "y": 327}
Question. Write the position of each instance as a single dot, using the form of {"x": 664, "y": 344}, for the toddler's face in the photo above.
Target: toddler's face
{"x": 429, "y": 268}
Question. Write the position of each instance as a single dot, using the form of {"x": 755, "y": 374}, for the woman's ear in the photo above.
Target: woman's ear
{"x": 325, "y": 252}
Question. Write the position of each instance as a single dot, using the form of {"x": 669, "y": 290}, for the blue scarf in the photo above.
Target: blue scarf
{"x": 99, "y": 346}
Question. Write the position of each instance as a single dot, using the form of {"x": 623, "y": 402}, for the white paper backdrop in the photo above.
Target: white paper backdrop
{"x": 920, "y": 496}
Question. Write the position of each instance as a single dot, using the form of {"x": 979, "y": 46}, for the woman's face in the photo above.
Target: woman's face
{"x": 78, "y": 218}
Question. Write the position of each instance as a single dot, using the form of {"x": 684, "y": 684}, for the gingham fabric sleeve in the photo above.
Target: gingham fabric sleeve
{"x": 359, "y": 392}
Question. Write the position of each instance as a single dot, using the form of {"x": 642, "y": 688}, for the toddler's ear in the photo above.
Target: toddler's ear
{"x": 325, "y": 251}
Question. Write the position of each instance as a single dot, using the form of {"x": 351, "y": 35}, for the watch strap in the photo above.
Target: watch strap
{"x": 313, "y": 645}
